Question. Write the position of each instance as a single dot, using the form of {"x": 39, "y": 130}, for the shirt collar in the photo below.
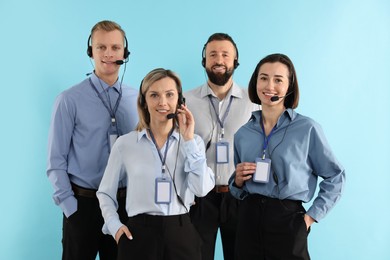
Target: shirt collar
{"x": 234, "y": 91}
{"x": 291, "y": 112}
{"x": 288, "y": 113}
{"x": 143, "y": 133}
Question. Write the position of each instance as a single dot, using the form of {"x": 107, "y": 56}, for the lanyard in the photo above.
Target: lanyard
{"x": 163, "y": 159}
{"x": 221, "y": 121}
{"x": 266, "y": 138}
{"x": 111, "y": 111}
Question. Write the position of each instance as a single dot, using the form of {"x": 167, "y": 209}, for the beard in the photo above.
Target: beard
{"x": 220, "y": 79}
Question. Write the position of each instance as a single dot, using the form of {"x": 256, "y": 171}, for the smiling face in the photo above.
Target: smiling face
{"x": 161, "y": 99}
{"x": 107, "y": 47}
{"x": 272, "y": 81}
{"x": 220, "y": 56}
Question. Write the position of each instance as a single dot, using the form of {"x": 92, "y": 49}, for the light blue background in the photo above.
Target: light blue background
{"x": 341, "y": 50}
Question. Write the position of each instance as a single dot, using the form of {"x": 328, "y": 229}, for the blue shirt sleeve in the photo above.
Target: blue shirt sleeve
{"x": 108, "y": 190}
{"x": 326, "y": 166}
{"x": 60, "y": 134}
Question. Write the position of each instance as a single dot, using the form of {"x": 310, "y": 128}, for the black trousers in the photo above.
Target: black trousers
{"x": 270, "y": 229}
{"x": 160, "y": 238}
{"x": 216, "y": 210}
{"x": 82, "y": 237}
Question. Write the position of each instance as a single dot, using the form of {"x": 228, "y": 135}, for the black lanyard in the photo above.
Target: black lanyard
{"x": 163, "y": 159}
{"x": 221, "y": 121}
{"x": 111, "y": 111}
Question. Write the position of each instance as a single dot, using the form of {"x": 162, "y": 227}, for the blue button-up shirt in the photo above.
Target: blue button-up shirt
{"x": 78, "y": 146}
{"x": 299, "y": 154}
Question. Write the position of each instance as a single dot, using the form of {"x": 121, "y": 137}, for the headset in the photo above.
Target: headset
{"x": 126, "y": 52}
{"x": 236, "y": 63}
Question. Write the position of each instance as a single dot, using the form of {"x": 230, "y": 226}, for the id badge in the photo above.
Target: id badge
{"x": 112, "y": 139}
{"x": 263, "y": 170}
{"x": 163, "y": 191}
{"x": 222, "y": 152}
{"x": 112, "y": 136}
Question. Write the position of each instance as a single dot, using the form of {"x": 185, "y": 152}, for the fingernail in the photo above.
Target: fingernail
{"x": 131, "y": 237}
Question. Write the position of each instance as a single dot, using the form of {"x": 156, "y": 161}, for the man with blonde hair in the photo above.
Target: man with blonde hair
{"x": 86, "y": 121}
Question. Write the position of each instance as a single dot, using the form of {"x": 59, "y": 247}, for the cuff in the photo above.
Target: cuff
{"x": 112, "y": 227}
{"x": 69, "y": 206}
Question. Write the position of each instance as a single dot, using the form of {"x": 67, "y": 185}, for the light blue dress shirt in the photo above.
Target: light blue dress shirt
{"x": 300, "y": 154}
{"x": 135, "y": 157}
{"x": 78, "y": 146}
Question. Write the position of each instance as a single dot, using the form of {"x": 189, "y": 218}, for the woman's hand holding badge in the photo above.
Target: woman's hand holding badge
{"x": 244, "y": 172}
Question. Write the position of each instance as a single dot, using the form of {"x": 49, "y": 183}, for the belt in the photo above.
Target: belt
{"x": 221, "y": 188}
{"x": 91, "y": 193}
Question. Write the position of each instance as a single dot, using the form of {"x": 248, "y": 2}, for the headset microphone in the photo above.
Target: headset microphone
{"x": 120, "y": 62}
{"x": 276, "y": 98}
{"x": 171, "y": 116}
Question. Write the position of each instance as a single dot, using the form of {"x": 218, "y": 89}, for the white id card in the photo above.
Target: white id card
{"x": 163, "y": 191}
{"x": 222, "y": 152}
{"x": 112, "y": 135}
{"x": 263, "y": 169}
{"x": 112, "y": 139}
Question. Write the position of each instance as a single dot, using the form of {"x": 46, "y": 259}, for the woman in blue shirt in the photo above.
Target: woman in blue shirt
{"x": 164, "y": 164}
{"x": 279, "y": 155}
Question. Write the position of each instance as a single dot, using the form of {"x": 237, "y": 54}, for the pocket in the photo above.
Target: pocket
{"x": 304, "y": 222}
{"x": 73, "y": 219}
{"x": 300, "y": 226}
{"x": 121, "y": 238}
{"x": 195, "y": 210}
